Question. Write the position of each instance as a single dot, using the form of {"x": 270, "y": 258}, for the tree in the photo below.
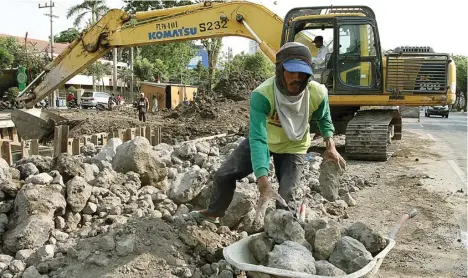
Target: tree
{"x": 6, "y": 59}
{"x": 67, "y": 36}
{"x": 461, "y": 63}
{"x": 97, "y": 8}
{"x": 260, "y": 64}
{"x": 213, "y": 47}
{"x": 150, "y": 71}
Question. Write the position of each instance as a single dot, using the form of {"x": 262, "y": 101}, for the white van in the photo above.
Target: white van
{"x": 91, "y": 99}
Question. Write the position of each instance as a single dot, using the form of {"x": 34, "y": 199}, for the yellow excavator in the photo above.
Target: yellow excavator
{"x": 366, "y": 86}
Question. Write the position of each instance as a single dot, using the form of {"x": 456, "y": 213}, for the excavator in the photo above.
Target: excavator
{"x": 365, "y": 85}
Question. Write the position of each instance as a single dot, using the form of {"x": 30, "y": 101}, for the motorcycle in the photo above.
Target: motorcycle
{"x": 73, "y": 104}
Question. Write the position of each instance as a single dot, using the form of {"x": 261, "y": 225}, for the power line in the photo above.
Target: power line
{"x": 51, "y": 5}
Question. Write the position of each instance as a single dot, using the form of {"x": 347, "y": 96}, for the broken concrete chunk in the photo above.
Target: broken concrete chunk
{"x": 281, "y": 226}
{"x": 78, "y": 193}
{"x": 325, "y": 241}
{"x": 27, "y": 169}
{"x": 203, "y": 147}
{"x": 311, "y": 229}
{"x": 329, "y": 180}
{"x": 372, "y": 240}
{"x": 325, "y": 268}
{"x": 109, "y": 151}
{"x": 346, "y": 250}
{"x": 292, "y": 256}
{"x": 186, "y": 150}
{"x": 188, "y": 185}
{"x": 260, "y": 245}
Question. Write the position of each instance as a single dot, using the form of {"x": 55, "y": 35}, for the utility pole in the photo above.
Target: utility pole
{"x": 51, "y": 15}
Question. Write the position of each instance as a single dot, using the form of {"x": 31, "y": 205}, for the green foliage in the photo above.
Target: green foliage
{"x": 12, "y": 93}
{"x": 33, "y": 60}
{"x": 133, "y": 6}
{"x": 66, "y": 36}
{"x": 71, "y": 89}
{"x": 98, "y": 70}
{"x": 6, "y": 59}
{"x": 96, "y": 8}
{"x": 145, "y": 70}
{"x": 256, "y": 63}
{"x": 461, "y": 63}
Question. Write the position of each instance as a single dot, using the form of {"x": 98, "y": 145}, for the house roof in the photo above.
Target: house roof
{"x": 40, "y": 45}
{"x": 154, "y": 84}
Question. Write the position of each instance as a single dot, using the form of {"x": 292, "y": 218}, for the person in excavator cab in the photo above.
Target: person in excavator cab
{"x": 319, "y": 61}
{"x": 281, "y": 109}
{"x": 142, "y": 106}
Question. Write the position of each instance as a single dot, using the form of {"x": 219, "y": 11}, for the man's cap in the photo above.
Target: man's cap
{"x": 318, "y": 39}
{"x": 297, "y": 66}
{"x": 141, "y": 94}
{"x": 295, "y": 57}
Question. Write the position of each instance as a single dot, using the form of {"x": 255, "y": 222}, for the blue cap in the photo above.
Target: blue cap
{"x": 297, "y": 66}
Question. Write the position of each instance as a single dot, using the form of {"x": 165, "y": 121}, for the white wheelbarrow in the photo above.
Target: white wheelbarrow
{"x": 238, "y": 255}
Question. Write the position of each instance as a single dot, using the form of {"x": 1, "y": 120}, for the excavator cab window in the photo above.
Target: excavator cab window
{"x": 354, "y": 62}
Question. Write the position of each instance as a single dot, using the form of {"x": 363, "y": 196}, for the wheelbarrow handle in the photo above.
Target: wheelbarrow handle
{"x": 412, "y": 213}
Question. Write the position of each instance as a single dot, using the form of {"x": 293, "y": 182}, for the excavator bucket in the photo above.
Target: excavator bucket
{"x": 38, "y": 123}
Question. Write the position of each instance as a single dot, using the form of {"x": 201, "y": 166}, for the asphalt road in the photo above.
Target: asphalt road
{"x": 450, "y": 134}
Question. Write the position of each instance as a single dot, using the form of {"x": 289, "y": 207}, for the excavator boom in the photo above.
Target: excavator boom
{"x": 118, "y": 29}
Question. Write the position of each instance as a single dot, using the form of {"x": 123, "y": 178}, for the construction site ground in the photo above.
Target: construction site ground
{"x": 418, "y": 175}
{"x": 421, "y": 175}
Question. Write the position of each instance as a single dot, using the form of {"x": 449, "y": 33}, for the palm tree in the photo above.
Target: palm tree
{"x": 97, "y": 8}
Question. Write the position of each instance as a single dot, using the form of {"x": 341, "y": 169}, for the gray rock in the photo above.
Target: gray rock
{"x": 349, "y": 200}
{"x": 6, "y": 259}
{"x": 259, "y": 246}
{"x": 68, "y": 166}
{"x": 171, "y": 173}
{"x": 124, "y": 246}
{"x": 72, "y": 220}
{"x": 9, "y": 186}
{"x": 311, "y": 229}
{"x": 3, "y": 223}
{"x": 329, "y": 180}
{"x": 5, "y": 172}
{"x": 107, "y": 243}
{"x": 90, "y": 208}
{"x": 244, "y": 200}
{"x": 186, "y": 150}
{"x": 214, "y": 151}
{"x": 325, "y": 268}
{"x": 226, "y": 274}
{"x": 188, "y": 185}
{"x": 109, "y": 151}
{"x": 91, "y": 171}
{"x": 60, "y": 236}
{"x": 346, "y": 250}
{"x": 43, "y": 163}
{"x": 42, "y": 178}
{"x": 372, "y": 240}
{"x": 57, "y": 178}
{"x": 108, "y": 203}
{"x": 292, "y": 256}
{"x": 325, "y": 241}
{"x": 60, "y": 222}
{"x": 203, "y": 147}
{"x": 32, "y": 272}
{"x": 45, "y": 252}
{"x": 99, "y": 260}
{"x": 7, "y": 274}
{"x": 138, "y": 156}
{"x": 281, "y": 226}
{"x": 16, "y": 266}
{"x": 27, "y": 169}
{"x": 24, "y": 255}
{"x": 250, "y": 224}
{"x": 88, "y": 149}
{"x": 78, "y": 193}
{"x": 200, "y": 159}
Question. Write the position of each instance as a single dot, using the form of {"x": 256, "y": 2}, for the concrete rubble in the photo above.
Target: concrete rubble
{"x": 117, "y": 210}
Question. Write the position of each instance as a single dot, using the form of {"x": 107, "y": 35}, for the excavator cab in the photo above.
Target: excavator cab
{"x": 354, "y": 60}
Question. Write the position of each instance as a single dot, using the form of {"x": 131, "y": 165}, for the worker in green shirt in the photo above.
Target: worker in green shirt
{"x": 281, "y": 109}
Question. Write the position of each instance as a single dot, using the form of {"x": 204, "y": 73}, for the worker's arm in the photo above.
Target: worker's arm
{"x": 323, "y": 118}
{"x": 259, "y": 152}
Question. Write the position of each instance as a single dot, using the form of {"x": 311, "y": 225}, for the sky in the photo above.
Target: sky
{"x": 401, "y": 22}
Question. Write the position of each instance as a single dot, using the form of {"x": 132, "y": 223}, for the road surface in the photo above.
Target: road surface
{"x": 448, "y": 134}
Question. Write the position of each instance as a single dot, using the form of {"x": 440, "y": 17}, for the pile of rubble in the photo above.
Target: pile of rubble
{"x": 238, "y": 86}
{"x": 122, "y": 210}
{"x": 322, "y": 246}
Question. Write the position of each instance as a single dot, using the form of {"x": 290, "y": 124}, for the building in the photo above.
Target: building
{"x": 169, "y": 95}
{"x": 201, "y": 55}
{"x": 253, "y": 47}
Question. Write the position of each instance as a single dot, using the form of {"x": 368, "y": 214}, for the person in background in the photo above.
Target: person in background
{"x": 143, "y": 106}
{"x": 155, "y": 105}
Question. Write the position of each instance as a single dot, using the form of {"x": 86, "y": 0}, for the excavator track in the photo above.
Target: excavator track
{"x": 372, "y": 135}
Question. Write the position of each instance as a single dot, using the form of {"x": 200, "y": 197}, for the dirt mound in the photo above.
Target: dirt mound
{"x": 238, "y": 86}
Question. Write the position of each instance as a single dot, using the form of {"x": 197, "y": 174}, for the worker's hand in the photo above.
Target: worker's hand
{"x": 332, "y": 154}
{"x": 267, "y": 193}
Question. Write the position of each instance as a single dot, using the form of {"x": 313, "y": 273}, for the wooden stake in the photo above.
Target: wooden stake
{"x": 34, "y": 147}
{"x": 76, "y": 146}
{"x": 14, "y": 134}
{"x": 5, "y": 151}
{"x": 148, "y": 133}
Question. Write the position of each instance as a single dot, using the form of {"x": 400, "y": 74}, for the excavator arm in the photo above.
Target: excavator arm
{"x": 193, "y": 22}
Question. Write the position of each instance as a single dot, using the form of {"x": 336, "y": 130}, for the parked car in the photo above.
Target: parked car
{"x": 437, "y": 110}
{"x": 91, "y": 99}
